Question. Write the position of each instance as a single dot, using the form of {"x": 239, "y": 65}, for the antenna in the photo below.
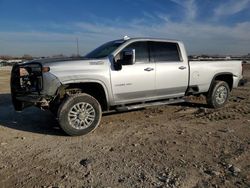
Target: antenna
{"x": 77, "y": 47}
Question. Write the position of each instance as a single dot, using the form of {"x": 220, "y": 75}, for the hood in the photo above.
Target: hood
{"x": 65, "y": 62}
{"x": 68, "y": 69}
{"x": 46, "y": 61}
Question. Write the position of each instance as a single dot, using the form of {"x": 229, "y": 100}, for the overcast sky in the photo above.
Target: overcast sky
{"x": 49, "y": 27}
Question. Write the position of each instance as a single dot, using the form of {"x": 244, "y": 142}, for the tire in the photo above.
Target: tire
{"x": 79, "y": 114}
{"x": 218, "y": 94}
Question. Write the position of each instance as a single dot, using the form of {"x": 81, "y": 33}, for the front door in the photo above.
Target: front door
{"x": 134, "y": 82}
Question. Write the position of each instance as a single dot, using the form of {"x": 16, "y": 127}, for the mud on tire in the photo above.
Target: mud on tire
{"x": 218, "y": 94}
{"x": 79, "y": 114}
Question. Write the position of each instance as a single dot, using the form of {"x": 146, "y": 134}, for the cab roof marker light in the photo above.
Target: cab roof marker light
{"x": 126, "y": 37}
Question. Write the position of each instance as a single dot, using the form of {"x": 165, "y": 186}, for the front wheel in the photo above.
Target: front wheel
{"x": 79, "y": 114}
{"x": 218, "y": 94}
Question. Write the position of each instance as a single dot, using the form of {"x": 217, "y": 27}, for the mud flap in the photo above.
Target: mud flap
{"x": 242, "y": 82}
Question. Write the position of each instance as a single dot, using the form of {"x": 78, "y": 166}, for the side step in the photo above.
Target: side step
{"x": 148, "y": 104}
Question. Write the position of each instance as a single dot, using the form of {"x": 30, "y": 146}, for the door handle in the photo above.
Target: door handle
{"x": 182, "y": 67}
{"x": 148, "y": 69}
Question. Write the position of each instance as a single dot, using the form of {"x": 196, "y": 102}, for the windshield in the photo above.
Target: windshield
{"x": 105, "y": 49}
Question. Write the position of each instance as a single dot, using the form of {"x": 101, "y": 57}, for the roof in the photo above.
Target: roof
{"x": 152, "y": 39}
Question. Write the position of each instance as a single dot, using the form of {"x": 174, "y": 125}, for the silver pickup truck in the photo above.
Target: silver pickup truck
{"x": 120, "y": 75}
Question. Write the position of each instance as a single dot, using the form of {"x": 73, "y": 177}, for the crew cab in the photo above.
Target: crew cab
{"x": 120, "y": 75}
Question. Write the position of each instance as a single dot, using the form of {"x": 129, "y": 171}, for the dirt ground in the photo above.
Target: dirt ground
{"x": 184, "y": 145}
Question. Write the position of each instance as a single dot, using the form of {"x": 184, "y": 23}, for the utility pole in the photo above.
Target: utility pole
{"x": 77, "y": 46}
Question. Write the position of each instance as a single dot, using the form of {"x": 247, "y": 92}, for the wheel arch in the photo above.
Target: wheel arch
{"x": 223, "y": 76}
{"x": 94, "y": 88}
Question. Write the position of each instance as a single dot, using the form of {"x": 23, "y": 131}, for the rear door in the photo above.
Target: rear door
{"x": 134, "y": 82}
{"x": 171, "y": 70}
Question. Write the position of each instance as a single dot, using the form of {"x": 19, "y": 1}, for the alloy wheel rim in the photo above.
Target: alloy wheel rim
{"x": 221, "y": 94}
{"x": 81, "y": 115}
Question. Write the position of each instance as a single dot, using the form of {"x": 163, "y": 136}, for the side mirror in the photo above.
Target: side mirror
{"x": 128, "y": 57}
{"x": 118, "y": 65}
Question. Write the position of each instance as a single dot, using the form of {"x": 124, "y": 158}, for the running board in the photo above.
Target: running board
{"x": 148, "y": 104}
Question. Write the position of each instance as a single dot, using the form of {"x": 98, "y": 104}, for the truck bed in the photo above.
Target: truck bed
{"x": 202, "y": 72}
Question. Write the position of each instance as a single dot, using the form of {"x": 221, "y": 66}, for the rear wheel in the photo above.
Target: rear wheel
{"x": 218, "y": 94}
{"x": 79, "y": 114}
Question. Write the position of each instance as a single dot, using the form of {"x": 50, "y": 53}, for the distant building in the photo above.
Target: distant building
{"x": 9, "y": 62}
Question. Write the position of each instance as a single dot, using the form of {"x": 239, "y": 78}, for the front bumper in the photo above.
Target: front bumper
{"x": 35, "y": 88}
{"x": 21, "y": 102}
{"x": 28, "y": 89}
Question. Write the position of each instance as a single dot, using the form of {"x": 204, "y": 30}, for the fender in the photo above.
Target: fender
{"x": 65, "y": 83}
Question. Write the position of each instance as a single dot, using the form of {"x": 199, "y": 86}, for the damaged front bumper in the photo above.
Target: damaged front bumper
{"x": 23, "y": 101}
{"x": 27, "y": 86}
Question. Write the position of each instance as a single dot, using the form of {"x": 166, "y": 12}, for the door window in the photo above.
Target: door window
{"x": 141, "y": 51}
{"x": 164, "y": 51}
